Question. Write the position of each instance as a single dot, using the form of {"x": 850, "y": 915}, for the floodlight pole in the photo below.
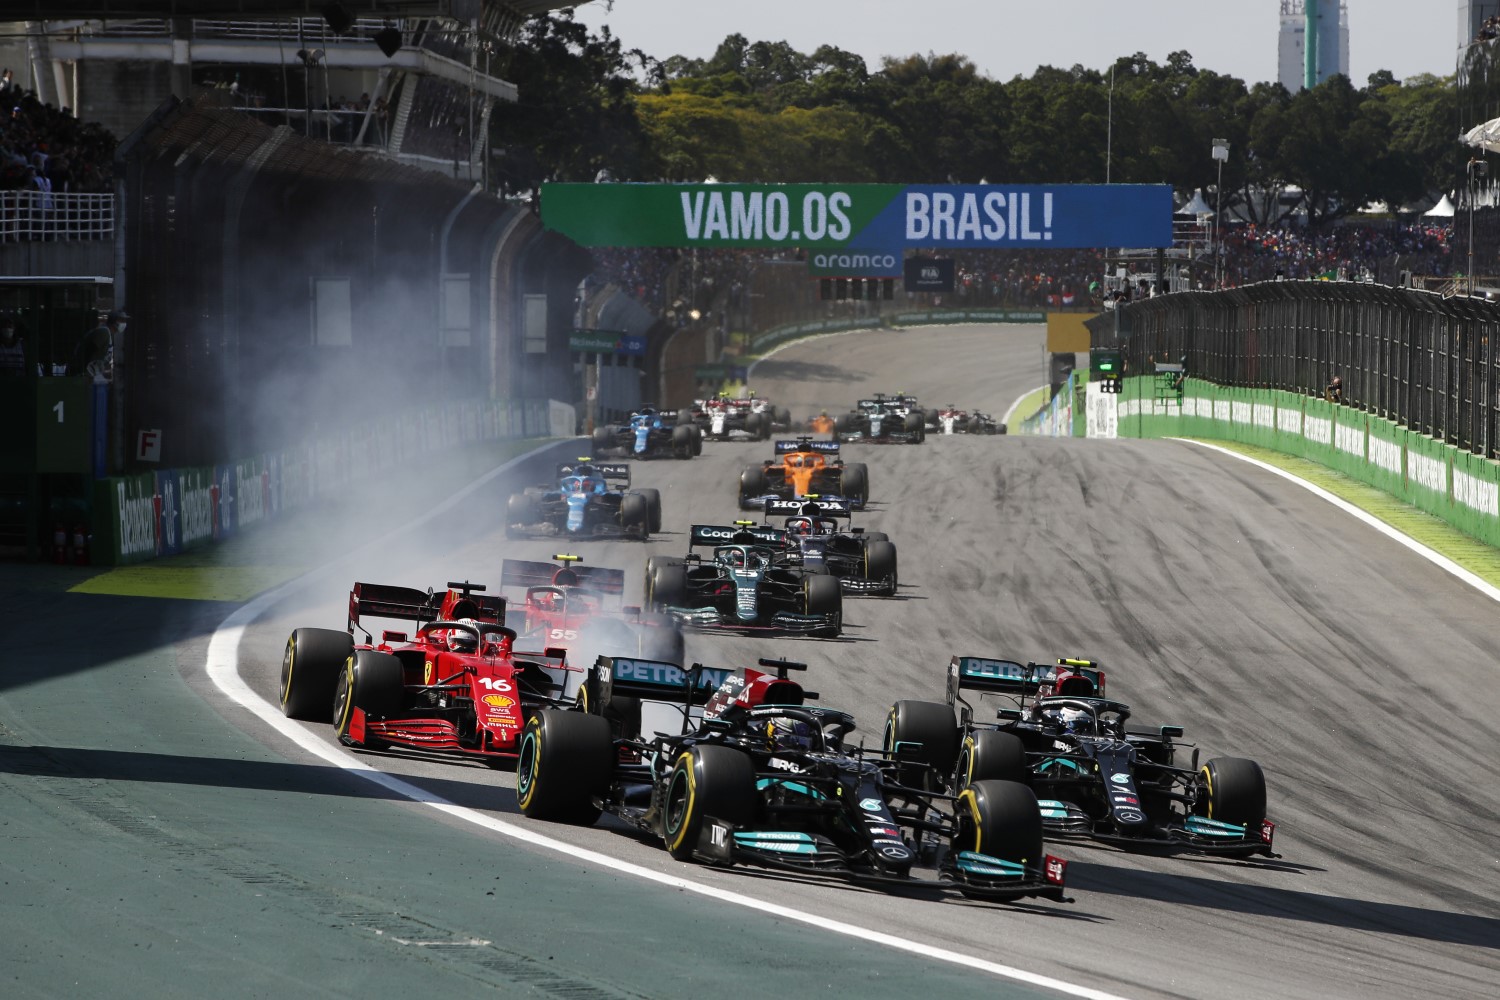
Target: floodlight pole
{"x": 1220, "y": 153}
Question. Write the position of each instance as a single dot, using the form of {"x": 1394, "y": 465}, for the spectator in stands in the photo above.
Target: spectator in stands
{"x": 12, "y": 348}
{"x": 1334, "y": 393}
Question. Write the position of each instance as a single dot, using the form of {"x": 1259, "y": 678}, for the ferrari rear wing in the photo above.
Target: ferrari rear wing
{"x": 522, "y": 573}
{"x": 382, "y": 600}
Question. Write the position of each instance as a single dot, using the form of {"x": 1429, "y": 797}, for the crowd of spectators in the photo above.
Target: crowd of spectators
{"x": 48, "y": 149}
{"x": 1045, "y": 279}
{"x": 1253, "y": 253}
{"x": 1489, "y": 29}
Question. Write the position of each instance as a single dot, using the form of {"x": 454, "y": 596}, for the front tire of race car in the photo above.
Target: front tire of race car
{"x": 520, "y": 512}
{"x": 566, "y": 759}
{"x": 1000, "y": 819}
{"x": 635, "y": 514}
{"x": 653, "y": 506}
{"x": 927, "y": 736}
{"x": 752, "y": 483}
{"x": 990, "y": 755}
{"x": 310, "y": 671}
{"x": 603, "y": 439}
{"x": 372, "y": 682}
{"x": 822, "y": 595}
{"x": 706, "y": 781}
{"x": 855, "y": 482}
{"x": 1232, "y": 790}
{"x": 880, "y": 563}
{"x": 666, "y": 584}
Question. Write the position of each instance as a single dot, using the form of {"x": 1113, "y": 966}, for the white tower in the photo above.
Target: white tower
{"x": 1333, "y": 43}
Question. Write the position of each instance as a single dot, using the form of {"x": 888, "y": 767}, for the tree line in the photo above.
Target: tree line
{"x": 765, "y": 112}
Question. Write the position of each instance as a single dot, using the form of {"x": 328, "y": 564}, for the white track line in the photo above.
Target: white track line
{"x": 1006, "y": 419}
{"x": 223, "y": 667}
{"x": 1436, "y": 558}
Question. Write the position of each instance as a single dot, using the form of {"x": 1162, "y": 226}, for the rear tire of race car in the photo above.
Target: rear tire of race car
{"x": 875, "y": 536}
{"x": 666, "y": 584}
{"x": 310, "y": 671}
{"x": 653, "y": 507}
{"x": 842, "y": 424}
{"x": 706, "y": 781}
{"x": 990, "y": 755}
{"x": 753, "y": 483}
{"x": 912, "y": 424}
{"x": 930, "y": 724}
{"x": 1000, "y": 819}
{"x": 635, "y": 515}
{"x": 659, "y": 638}
{"x": 566, "y": 758}
{"x": 1232, "y": 790}
{"x": 372, "y": 682}
{"x": 880, "y": 562}
{"x": 603, "y": 439}
{"x": 784, "y": 417}
{"x": 682, "y": 441}
{"x": 821, "y": 595}
{"x": 855, "y": 482}
{"x": 697, "y": 440}
{"x": 520, "y": 511}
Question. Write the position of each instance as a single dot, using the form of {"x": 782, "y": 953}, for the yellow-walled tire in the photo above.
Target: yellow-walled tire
{"x": 567, "y": 759}
{"x": 310, "y": 670}
{"x": 706, "y": 781}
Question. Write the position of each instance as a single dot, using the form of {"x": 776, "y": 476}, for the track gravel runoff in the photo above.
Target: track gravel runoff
{"x": 1263, "y": 620}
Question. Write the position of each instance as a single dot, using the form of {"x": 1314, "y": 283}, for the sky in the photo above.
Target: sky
{"x": 1008, "y": 38}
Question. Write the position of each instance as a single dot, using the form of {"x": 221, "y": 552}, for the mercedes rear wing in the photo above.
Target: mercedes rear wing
{"x": 989, "y": 675}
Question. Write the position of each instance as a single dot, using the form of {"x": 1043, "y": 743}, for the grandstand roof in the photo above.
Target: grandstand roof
{"x": 462, "y": 10}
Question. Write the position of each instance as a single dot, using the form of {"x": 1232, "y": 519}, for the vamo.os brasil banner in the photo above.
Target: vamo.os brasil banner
{"x": 883, "y": 217}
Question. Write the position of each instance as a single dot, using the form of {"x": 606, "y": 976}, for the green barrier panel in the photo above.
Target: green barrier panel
{"x": 1427, "y": 474}
{"x": 125, "y": 519}
{"x": 1476, "y": 494}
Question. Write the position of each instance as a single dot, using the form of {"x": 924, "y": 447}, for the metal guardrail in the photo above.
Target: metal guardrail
{"x": 1426, "y": 361}
{"x": 37, "y": 215}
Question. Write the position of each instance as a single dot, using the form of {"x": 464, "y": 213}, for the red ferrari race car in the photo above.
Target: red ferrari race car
{"x": 579, "y": 608}
{"x": 456, "y": 685}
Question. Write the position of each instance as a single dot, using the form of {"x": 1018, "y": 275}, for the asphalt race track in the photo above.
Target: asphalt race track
{"x": 156, "y": 836}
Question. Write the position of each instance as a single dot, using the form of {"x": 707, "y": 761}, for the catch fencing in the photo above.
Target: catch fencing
{"x": 55, "y": 217}
{"x": 1425, "y": 361}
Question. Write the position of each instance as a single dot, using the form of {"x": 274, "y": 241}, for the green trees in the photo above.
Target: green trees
{"x": 762, "y": 111}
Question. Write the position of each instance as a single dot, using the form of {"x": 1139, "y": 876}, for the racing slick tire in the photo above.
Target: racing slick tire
{"x": 855, "y": 482}
{"x": 753, "y": 483}
{"x": 682, "y": 441}
{"x": 931, "y": 726}
{"x": 372, "y": 682}
{"x": 666, "y": 583}
{"x": 603, "y": 438}
{"x": 566, "y": 758}
{"x": 880, "y": 563}
{"x": 1000, "y": 819}
{"x": 783, "y": 418}
{"x": 520, "y": 513}
{"x": 875, "y": 536}
{"x": 821, "y": 594}
{"x": 1232, "y": 790}
{"x": 697, "y": 440}
{"x": 842, "y": 424}
{"x": 653, "y": 507}
{"x": 659, "y": 638}
{"x": 635, "y": 514}
{"x": 913, "y": 425}
{"x": 990, "y": 755}
{"x": 310, "y": 671}
{"x": 706, "y": 781}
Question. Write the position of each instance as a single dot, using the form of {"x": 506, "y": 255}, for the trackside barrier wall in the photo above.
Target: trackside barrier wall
{"x": 144, "y": 516}
{"x": 1056, "y": 418}
{"x": 776, "y": 336}
{"x": 1442, "y": 479}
